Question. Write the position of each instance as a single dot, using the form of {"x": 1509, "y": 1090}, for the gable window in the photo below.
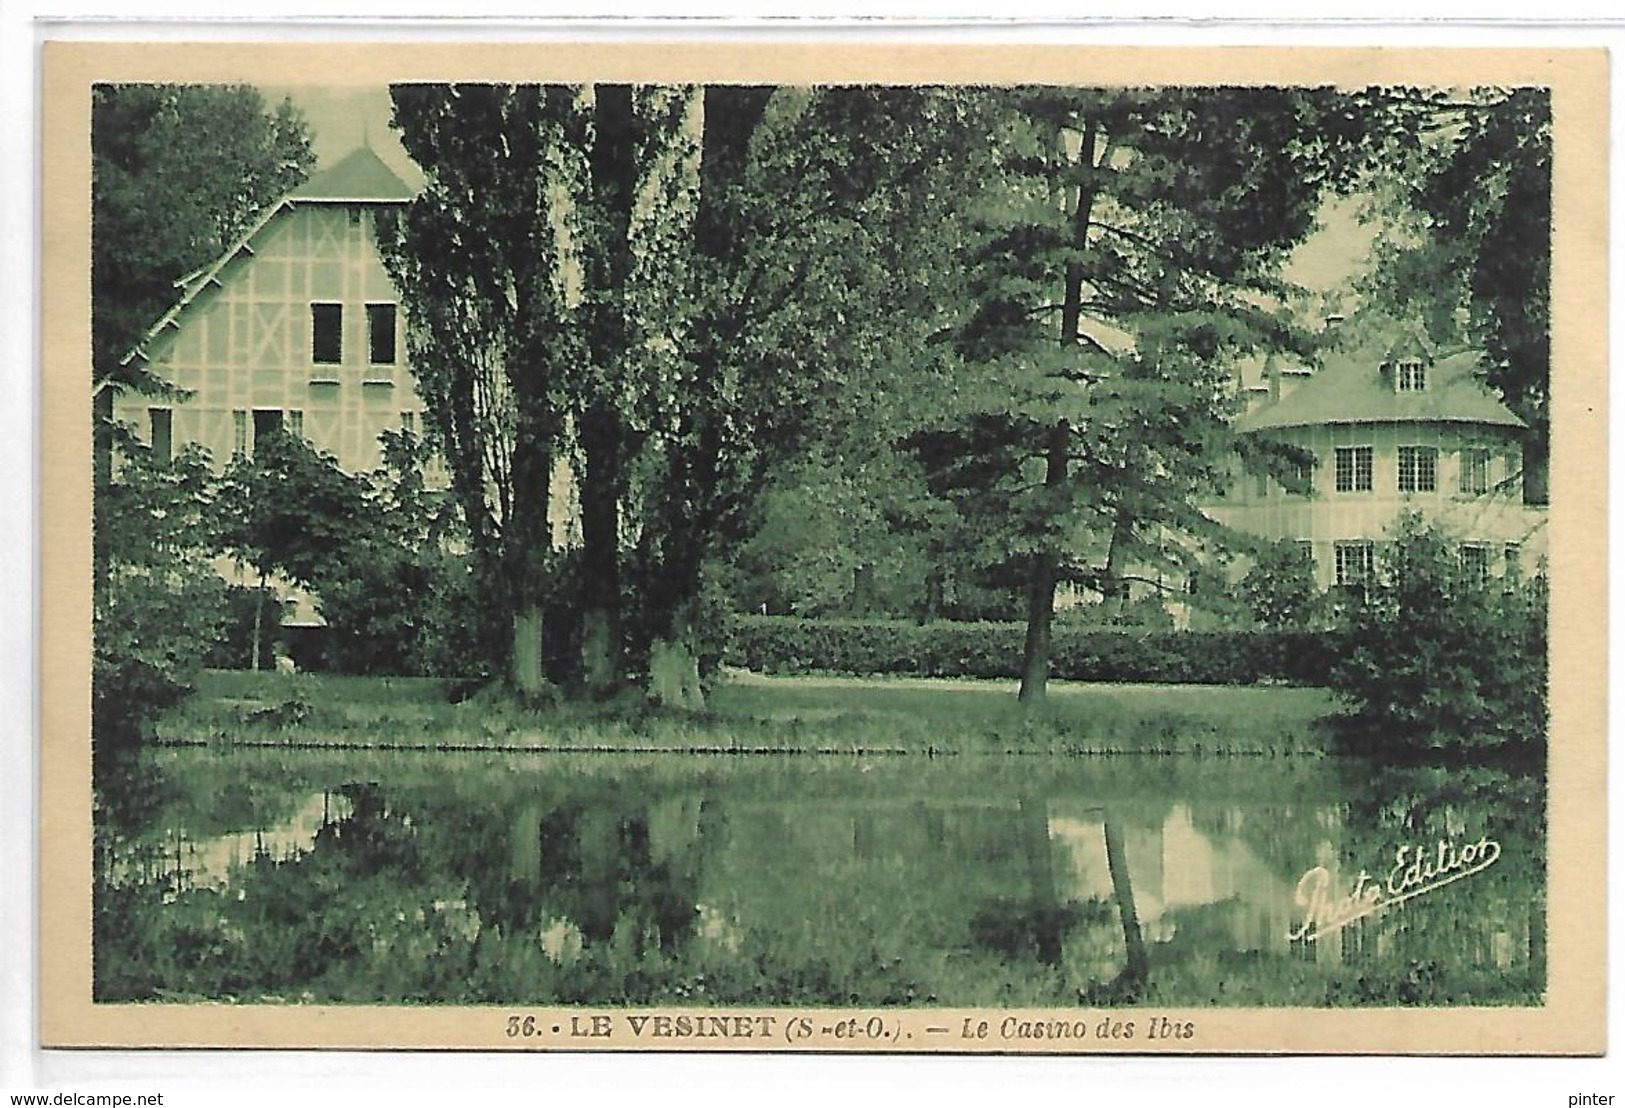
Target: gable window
{"x": 1355, "y": 564}
{"x": 1353, "y": 469}
{"x": 381, "y": 334}
{"x": 1475, "y": 471}
{"x": 161, "y": 423}
{"x": 1475, "y": 563}
{"x": 1410, "y": 375}
{"x": 327, "y": 333}
{"x": 1418, "y": 469}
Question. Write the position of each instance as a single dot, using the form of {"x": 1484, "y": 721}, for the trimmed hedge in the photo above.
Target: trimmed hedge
{"x": 787, "y": 644}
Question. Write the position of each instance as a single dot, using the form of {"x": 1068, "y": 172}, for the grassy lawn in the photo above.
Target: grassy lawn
{"x": 754, "y": 713}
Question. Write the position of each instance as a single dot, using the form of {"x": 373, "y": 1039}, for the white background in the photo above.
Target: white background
{"x": 265, "y": 1078}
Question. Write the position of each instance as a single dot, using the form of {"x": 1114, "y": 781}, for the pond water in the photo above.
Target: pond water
{"x": 409, "y": 877}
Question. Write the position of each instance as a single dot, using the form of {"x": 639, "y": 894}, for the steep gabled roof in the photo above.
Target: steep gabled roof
{"x": 1352, "y": 388}
{"x": 360, "y": 177}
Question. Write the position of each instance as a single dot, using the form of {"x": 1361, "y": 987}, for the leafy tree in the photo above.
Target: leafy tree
{"x": 488, "y": 265}
{"x": 1470, "y": 247}
{"x": 287, "y": 510}
{"x": 816, "y": 254}
{"x": 398, "y": 598}
{"x": 670, "y": 286}
{"x": 178, "y": 172}
{"x": 1280, "y": 588}
{"x": 840, "y": 539}
{"x": 162, "y": 604}
{"x": 1120, "y": 262}
{"x": 634, "y": 203}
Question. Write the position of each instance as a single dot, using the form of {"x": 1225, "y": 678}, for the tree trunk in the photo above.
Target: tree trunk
{"x": 933, "y": 593}
{"x": 1114, "y": 588}
{"x": 674, "y": 664}
{"x": 1040, "y": 614}
{"x": 527, "y": 672}
{"x": 527, "y": 540}
{"x": 600, "y": 659}
{"x": 1041, "y": 585}
{"x": 1537, "y": 471}
{"x": 614, "y": 169}
{"x": 600, "y": 563}
{"x": 259, "y": 609}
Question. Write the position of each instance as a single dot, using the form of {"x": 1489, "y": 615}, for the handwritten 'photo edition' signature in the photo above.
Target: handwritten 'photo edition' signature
{"x": 1416, "y": 870}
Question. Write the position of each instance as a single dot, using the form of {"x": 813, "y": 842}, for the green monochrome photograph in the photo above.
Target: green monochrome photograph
{"x": 892, "y": 545}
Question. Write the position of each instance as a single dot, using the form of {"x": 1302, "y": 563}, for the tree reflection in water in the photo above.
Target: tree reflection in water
{"x": 803, "y": 881}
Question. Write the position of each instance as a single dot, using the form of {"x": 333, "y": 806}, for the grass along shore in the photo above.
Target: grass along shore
{"x": 751, "y": 713}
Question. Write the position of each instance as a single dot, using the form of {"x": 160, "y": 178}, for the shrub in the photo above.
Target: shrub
{"x": 1280, "y": 588}
{"x": 396, "y": 611}
{"x": 152, "y": 632}
{"x": 1440, "y": 659}
{"x": 159, "y": 605}
{"x": 784, "y": 644}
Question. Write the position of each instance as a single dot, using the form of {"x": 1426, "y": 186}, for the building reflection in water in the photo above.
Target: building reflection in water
{"x": 1059, "y": 880}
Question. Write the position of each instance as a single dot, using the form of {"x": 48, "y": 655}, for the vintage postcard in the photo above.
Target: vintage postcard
{"x": 823, "y": 548}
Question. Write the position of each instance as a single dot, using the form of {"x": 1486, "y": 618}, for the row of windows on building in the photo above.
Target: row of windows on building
{"x": 1418, "y": 469}
{"x": 327, "y": 333}
{"x": 1356, "y": 560}
{"x": 1354, "y": 470}
{"x": 259, "y": 421}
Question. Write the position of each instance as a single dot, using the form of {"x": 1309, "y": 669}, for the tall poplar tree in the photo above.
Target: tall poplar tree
{"x": 483, "y": 261}
{"x": 671, "y": 288}
{"x": 818, "y": 254}
{"x": 539, "y": 273}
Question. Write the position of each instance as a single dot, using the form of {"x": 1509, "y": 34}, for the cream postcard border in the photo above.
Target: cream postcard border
{"x": 1573, "y": 1019}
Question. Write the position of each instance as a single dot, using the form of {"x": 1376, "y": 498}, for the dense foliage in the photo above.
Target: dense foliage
{"x": 286, "y": 510}
{"x": 162, "y": 606}
{"x": 1441, "y": 659}
{"x": 1279, "y": 587}
{"x": 1122, "y": 259}
{"x": 1475, "y": 189}
{"x": 672, "y": 289}
{"x": 399, "y": 597}
{"x": 178, "y": 172}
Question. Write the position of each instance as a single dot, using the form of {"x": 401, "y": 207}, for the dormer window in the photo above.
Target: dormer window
{"x": 1410, "y": 375}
